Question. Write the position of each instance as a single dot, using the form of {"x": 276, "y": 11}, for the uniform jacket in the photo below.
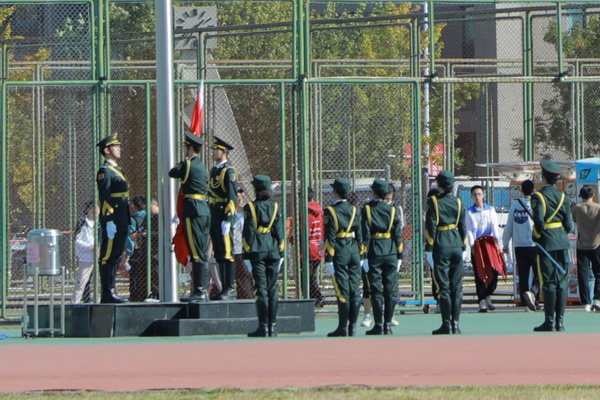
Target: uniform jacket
{"x": 316, "y": 235}
{"x": 481, "y": 222}
{"x": 222, "y": 191}
{"x": 193, "y": 178}
{"x": 343, "y": 236}
{"x": 379, "y": 219}
{"x": 263, "y": 234}
{"x": 445, "y": 222}
{"x": 113, "y": 191}
{"x": 551, "y": 222}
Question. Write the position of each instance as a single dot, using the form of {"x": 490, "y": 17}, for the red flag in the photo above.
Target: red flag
{"x": 196, "y": 124}
{"x": 182, "y": 250}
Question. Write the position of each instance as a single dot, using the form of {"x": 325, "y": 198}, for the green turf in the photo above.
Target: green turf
{"x": 506, "y": 320}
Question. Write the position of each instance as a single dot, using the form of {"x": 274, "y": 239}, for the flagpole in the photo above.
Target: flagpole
{"x": 165, "y": 128}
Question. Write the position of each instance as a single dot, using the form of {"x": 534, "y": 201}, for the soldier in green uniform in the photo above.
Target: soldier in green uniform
{"x": 222, "y": 191}
{"x": 446, "y": 235}
{"x": 263, "y": 240}
{"x": 382, "y": 242}
{"x": 113, "y": 192}
{"x": 343, "y": 240}
{"x": 196, "y": 214}
{"x": 552, "y": 222}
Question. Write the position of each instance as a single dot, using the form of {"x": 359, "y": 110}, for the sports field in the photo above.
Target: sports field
{"x": 498, "y": 356}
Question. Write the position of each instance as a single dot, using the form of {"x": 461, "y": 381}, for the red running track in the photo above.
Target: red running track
{"x": 383, "y": 361}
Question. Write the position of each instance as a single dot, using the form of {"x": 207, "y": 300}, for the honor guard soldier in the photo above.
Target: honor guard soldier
{"x": 551, "y": 224}
{"x": 222, "y": 191}
{"x": 382, "y": 242}
{"x": 195, "y": 213}
{"x": 113, "y": 192}
{"x": 263, "y": 240}
{"x": 446, "y": 234}
{"x": 343, "y": 241}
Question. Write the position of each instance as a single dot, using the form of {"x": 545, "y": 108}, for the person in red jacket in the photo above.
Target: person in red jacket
{"x": 316, "y": 247}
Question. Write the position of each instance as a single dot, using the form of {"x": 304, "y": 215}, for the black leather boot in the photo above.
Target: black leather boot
{"x": 560, "y": 327}
{"x": 200, "y": 277}
{"x": 455, "y": 329}
{"x": 445, "y": 329}
{"x": 353, "y": 317}
{"x": 387, "y": 328}
{"x": 107, "y": 280}
{"x": 343, "y": 312}
{"x": 261, "y": 331}
{"x": 547, "y": 326}
{"x": 390, "y": 306}
{"x": 377, "y": 330}
{"x": 272, "y": 316}
{"x": 228, "y": 281}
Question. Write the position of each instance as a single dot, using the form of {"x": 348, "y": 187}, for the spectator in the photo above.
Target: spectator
{"x": 316, "y": 247}
{"x": 586, "y": 216}
{"x": 85, "y": 237}
{"x": 245, "y": 289}
{"x": 519, "y": 228}
{"x": 482, "y": 221}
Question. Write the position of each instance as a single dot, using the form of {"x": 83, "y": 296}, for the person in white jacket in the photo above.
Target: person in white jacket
{"x": 482, "y": 221}
{"x": 519, "y": 228}
{"x": 85, "y": 251}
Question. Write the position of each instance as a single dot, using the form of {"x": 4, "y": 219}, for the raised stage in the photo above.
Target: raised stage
{"x": 172, "y": 319}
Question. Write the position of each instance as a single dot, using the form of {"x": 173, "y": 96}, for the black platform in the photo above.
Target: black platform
{"x": 174, "y": 319}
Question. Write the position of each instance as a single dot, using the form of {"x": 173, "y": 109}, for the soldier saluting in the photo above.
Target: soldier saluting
{"x": 113, "y": 192}
{"x": 222, "y": 191}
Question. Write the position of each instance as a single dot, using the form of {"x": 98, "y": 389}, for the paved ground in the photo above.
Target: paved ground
{"x": 496, "y": 348}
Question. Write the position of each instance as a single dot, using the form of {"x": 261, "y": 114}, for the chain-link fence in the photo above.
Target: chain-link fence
{"x": 363, "y": 91}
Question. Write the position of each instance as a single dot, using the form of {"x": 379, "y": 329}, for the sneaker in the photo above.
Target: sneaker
{"x": 482, "y": 306}
{"x": 529, "y": 300}
{"x": 366, "y": 322}
{"x": 394, "y": 322}
{"x": 587, "y": 308}
{"x": 488, "y": 303}
{"x": 596, "y": 305}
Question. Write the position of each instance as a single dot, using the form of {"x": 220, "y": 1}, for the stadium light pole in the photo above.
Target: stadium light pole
{"x": 165, "y": 128}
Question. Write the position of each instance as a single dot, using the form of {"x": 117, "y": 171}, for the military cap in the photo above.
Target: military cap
{"x": 341, "y": 185}
{"x": 380, "y": 187}
{"x": 586, "y": 192}
{"x": 261, "y": 182}
{"x": 192, "y": 138}
{"x": 219, "y": 143}
{"x": 110, "y": 140}
{"x": 551, "y": 167}
{"x": 445, "y": 179}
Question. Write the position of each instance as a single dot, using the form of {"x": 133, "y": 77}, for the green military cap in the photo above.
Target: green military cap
{"x": 380, "y": 187}
{"x": 341, "y": 185}
{"x": 261, "y": 182}
{"x": 551, "y": 167}
{"x": 193, "y": 138}
{"x": 219, "y": 143}
{"x": 445, "y": 178}
{"x": 110, "y": 140}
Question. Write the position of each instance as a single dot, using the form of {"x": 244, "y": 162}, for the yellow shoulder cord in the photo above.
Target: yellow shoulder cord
{"x": 336, "y": 224}
{"x": 436, "y": 210}
{"x": 276, "y": 208}
{"x": 253, "y": 213}
{"x": 368, "y": 208}
{"x": 560, "y": 203}
{"x": 351, "y": 219}
{"x": 392, "y": 220}
{"x": 458, "y": 211}
{"x": 187, "y": 171}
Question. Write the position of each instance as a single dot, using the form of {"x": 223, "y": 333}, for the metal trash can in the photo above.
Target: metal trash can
{"x": 43, "y": 259}
{"x": 43, "y": 251}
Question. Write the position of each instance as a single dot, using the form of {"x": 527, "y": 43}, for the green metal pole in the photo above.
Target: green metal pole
{"x": 107, "y": 58}
{"x": 283, "y": 180}
{"x": 431, "y": 40}
{"x": 561, "y": 69}
{"x": 417, "y": 183}
{"x": 527, "y": 89}
{"x": 148, "y": 191}
{"x": 4, "y": 194}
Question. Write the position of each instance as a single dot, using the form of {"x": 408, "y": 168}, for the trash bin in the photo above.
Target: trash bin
{"x": 43, "y": 252}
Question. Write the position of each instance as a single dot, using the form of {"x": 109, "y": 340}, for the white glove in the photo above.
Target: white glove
{"x": 111, "y": 229}
{"x": 329, "y": 266}
{"x": 248, "y": 265}
{"x": 280, "y": 264}
{"x": 429, "y": 258}
{"x": 225, "y": 228}
{"x": 466, "y": 256}
{"x": 398, "y": 264}
{"x": 365, "y": 265}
